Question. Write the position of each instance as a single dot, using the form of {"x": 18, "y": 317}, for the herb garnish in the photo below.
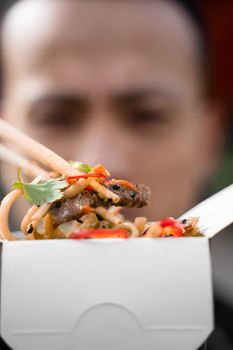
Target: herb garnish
{"x": 38, "y": 193}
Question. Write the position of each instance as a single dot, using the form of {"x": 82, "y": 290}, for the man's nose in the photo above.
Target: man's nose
{"x": 101, "y": 143}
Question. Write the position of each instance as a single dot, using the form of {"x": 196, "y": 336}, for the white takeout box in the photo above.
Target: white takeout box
{"x": 111, "y": 294}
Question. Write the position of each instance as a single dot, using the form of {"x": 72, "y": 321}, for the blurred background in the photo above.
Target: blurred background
{"x": 218, "y": 16}
{"x": 218, "y": 19}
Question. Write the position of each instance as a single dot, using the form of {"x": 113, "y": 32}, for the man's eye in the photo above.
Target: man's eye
{"x": 145, "y": 117}
{"x": 56, "y": 119}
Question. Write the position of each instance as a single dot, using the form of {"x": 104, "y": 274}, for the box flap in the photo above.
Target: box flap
{"x": 107, "y": 294}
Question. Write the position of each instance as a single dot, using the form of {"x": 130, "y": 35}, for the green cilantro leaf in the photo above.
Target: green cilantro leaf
{"x": 39, "y": 193}
{"x": 80, "y": 166}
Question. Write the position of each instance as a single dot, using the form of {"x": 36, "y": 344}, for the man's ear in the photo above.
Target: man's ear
{"x": 2, "y": 108}
{"x": 214, "y": 137}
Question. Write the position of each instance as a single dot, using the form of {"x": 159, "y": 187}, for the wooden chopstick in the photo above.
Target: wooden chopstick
{"x": 35, "y": 150}
{"x": 28, "y": 167}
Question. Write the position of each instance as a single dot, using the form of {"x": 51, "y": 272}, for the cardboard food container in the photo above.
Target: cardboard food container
{"x": 110, "y": 294}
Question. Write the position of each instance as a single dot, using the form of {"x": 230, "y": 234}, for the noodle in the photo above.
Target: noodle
{"x": 105, "y": 214}
{"x": 5, "y": 208}
{"x": 140, "y": 223}
{"x": 40, "y": 213}
{"x": 154, "y": 230}
{"x": 104, "y": 192}
{"x": 115, "y": 210}
{"x": 75, "y": 189}
{"x": 48, "y": 223}
{"x": 28, "y": 219}
{"x": 129, "y": 226}
{"x": 91, "y": 221}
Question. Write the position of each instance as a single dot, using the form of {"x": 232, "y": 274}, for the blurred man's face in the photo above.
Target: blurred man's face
{"x": 115, "y": 83}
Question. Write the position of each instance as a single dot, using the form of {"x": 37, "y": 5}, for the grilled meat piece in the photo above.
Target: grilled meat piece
{"x": 70, "y": 209}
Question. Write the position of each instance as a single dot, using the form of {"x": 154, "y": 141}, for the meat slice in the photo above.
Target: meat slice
{"x": 70, "y": 209}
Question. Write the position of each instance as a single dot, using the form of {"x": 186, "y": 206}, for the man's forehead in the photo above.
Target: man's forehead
{"x": 39, "y": 32}
{"x": 110, "y": 23}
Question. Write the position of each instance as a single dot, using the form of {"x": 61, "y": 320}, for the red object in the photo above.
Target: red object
{"x": 167, "y": 222}
{"x": 97, "y": 172}
{"x": 98, "y": 233}
{"x": 176, "y": 228}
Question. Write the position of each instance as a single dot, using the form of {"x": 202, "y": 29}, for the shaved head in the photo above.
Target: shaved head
{"x": 31, "y": 23}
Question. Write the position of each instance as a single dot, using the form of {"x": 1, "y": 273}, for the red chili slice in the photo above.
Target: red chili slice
{"x": 98, "y": 171}
{"x": 177, "y": 229}
{"x": 98, "y": 233}
{"x": 167, "y": 222}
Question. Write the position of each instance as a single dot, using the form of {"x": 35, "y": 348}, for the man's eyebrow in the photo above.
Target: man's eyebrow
{"x": 134, "y": 95}
{"x": 59, "y": 98}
